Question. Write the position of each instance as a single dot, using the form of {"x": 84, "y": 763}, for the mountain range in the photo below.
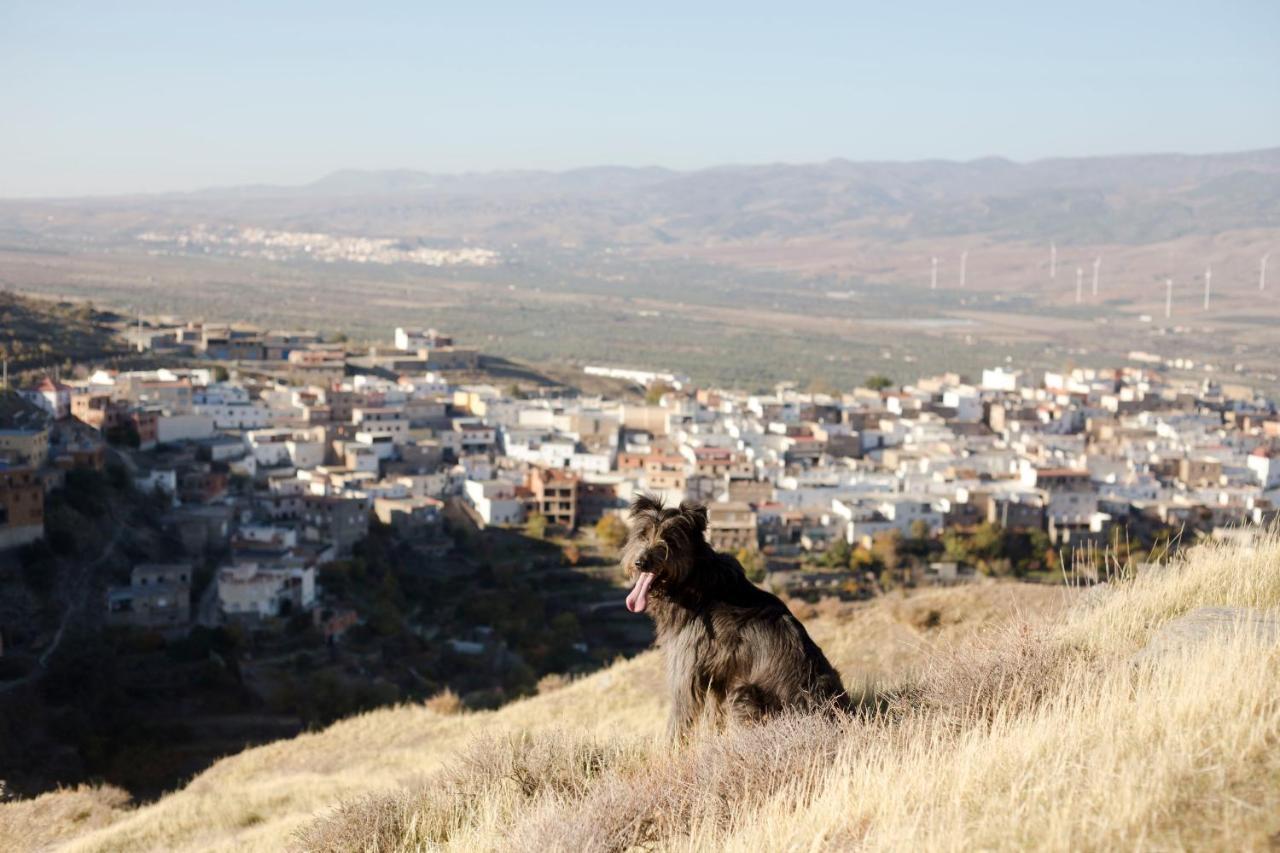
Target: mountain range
{"x": 1122, "y": 199}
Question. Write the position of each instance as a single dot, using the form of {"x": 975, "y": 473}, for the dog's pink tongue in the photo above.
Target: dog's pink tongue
{"x": 638, "y": 598}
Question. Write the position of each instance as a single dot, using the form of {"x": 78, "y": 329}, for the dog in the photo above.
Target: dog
{"x": 734, "y": 652}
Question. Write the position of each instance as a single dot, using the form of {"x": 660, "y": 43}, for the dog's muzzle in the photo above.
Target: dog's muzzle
{"x": 638, "y": 598}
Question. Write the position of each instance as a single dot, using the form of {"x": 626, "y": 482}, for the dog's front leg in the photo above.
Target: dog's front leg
{"x": 688, "y": 694}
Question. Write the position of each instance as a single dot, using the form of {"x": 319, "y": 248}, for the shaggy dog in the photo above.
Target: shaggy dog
{"x": 733, "y": 650}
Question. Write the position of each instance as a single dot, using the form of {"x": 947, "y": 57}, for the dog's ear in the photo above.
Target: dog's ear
{"x": 697, "y": 513}
{"x": 645, "y": 504}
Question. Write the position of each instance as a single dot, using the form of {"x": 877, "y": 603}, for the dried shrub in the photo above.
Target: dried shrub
{"x": 1008, "y": 671}
{"x": 552, "y": 682}
{"x": 709, "y": 781}
{"x": 493, "y": 778}
{"x": 446, "y": 703}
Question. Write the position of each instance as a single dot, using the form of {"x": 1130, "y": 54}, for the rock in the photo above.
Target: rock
{"x": 1204, "y": 623}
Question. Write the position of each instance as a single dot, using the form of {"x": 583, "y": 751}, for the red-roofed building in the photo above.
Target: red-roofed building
{"x": 52, "y": 396}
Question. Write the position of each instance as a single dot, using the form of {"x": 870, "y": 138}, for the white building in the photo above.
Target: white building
{"x": 494, "y": 501}
{"x": 260, "y": 591}
{"x": 999, "y": 379}
{"x": 1265, "y": 466}
{"x": 171, "y": 428}
{"x": 248, "y": 415}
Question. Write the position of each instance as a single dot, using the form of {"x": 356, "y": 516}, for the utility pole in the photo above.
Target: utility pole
{"x": 1168, "y": 298}
{"x": 933, "y": 278}
{"x": 1097, "y": 262}
{"x": 1208, "y": 282}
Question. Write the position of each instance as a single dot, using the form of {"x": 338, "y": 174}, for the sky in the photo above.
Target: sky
{"x": 118, "y": 97}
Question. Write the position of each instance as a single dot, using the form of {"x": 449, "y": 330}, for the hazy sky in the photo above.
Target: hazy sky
{"x": 104, "y": 96}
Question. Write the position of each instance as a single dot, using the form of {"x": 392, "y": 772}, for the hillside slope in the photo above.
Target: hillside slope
{"x": 1025, "y": 724}
{"x": 256, "y": 800}
{"x": 1120, "y": 725}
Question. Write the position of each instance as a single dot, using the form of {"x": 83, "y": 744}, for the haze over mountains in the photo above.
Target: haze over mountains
{"x": 1123, "y": 199}
{"x": 742, "y": 275}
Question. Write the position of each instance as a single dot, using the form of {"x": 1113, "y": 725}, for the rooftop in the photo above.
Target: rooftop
{"x": 18, "y": 414}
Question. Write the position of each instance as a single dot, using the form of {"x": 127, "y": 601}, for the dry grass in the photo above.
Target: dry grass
{"x": 42, "y": 822}
{"x": 999, "y": 725}
{"x": 1040, "y": 734}
{"x": 445, "y": 702}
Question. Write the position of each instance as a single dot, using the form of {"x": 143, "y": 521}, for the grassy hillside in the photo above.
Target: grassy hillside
{"x": 42, "y": 334}
{"x": 1005, "y": 721}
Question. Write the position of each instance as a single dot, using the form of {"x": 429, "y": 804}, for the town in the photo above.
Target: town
{"x": 290, "y": 528}
{"x": 283, "y": 458}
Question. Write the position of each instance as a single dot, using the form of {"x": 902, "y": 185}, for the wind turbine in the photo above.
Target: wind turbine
{"x": 1097, "y": 262}
{"x": 1262, "y": 273}
{"x": 1079, "y": 284}
{"x": 1168, "y": 298}
{"x": 1208, "y": 282}
{"x": 964, "y": 262}
{"x": 933, "y": 279}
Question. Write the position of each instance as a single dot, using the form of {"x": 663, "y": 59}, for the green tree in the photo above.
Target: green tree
{"x": 878, "y": 382}
{"x": 838, "y": 554}
{"x": 988, "y": 540}
{"x": 955, "y": 545}
{"x": 653, "y": 394}
{"x": 612, "y": 531}
{"x": 536, "y": 526}
{"x": 753, "y": 563}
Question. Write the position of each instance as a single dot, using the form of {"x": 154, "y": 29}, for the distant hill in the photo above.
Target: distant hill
{"x": 42, "y": 334}
{"x": 1123, "y": 199}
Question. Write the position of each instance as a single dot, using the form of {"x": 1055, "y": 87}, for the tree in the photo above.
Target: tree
{"x": 572, "y": 554}
{"x": 612, "y": 531}
{"x": 536, "y": 526}
{"x": 886, "y": 547}
{"x": 863, "y": 560}
{"x": 878, "y": 382}
{"x": 988, "y": 540}
{"x": 838, "y": 554}
{"x": 753, "y": 563}
{"x": 653, "y": 394}
{"x": 918, "y": 543}
{"x": 956, "y": 547}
